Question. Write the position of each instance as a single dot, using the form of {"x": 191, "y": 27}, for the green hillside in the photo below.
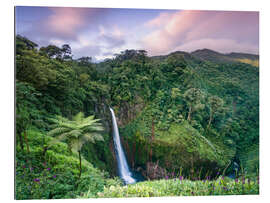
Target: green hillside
{"x": 233, "y": 57}
{"x": 191, "y": 115}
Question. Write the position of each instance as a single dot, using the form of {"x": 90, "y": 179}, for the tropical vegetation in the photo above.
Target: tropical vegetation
{"x": 189, "y": 123}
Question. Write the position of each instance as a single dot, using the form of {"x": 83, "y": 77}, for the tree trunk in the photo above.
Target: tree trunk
{"x": 234, "y": 106}
{"x": 192, "y": 168}
{"x": 189, "y": 113}
{"x": 95, "y": 107}
{"x": 80, "y": 158}
{"x": 44, "y": 153}
{"x": 21, "y": 140}
{"x": 26, "y": 141}
{"x": 152, "y": 140}
{"x": 210, "y": 120}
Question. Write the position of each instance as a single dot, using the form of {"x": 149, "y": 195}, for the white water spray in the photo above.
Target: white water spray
{"x": 123, "y": 168}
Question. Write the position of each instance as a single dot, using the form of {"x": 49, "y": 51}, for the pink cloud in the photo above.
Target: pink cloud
{"x": 159, "y": 21}
{"x": 229, "y": 24}
{"x": 65, "y": 21}
{"x": 68, "y": 22}
{"x": 180, "y": 28}
{"x": 220, "y": 45}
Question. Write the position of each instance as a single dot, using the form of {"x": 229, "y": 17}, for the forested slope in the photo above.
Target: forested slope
{"x": 177, "y": 114}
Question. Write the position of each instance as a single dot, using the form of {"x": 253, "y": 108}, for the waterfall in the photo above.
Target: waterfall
{"x": 123, "y": 168}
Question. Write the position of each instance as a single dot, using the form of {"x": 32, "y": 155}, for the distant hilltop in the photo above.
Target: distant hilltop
{"x": 216, "y": 57}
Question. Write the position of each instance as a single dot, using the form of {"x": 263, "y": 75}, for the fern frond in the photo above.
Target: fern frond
{"x": 78, "y": 117}
{"x": 77, "y": 144}
{"x": 92, "y": 128}
{"x": 89, "y": 122}
{"x": 57, "y": 131}
{"x": 58, "y": 119}
{"x": 89, "y": 118}
{"x": 68, "y": 124}
{"x": 77, "y": 131}
{"x": 98, "y": 137}
{"x": 89, "y": 137}
{"x": 52, "y": 142}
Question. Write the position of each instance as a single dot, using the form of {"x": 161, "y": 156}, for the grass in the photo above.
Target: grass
{"x": 177, "y": 187}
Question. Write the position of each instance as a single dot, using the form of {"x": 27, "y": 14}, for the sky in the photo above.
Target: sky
{"x": 103, "y": 32}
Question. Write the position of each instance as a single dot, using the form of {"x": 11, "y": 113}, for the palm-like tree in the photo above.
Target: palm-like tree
{"x": 193, "y": 98}
{"x": 77, "y": 132}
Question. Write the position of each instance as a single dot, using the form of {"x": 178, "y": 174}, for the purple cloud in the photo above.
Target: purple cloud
{"x": 96, "y": 32}
{"x": 185, "y": 27}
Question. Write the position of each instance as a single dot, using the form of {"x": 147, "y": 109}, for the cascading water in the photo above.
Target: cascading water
{"x": 123, "y": 168}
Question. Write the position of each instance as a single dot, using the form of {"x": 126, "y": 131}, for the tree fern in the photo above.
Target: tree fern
{"x": 76, "y": 132}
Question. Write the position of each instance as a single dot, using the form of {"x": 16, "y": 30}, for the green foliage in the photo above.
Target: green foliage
{"x": 176, "y": 187}
{"x": 100, "y": 154}
{"x": 193, "y": 98}
{"x": 54, "y": 174}
{"x": 249, "y": 160}
{"x": 216, "y": 104}
{"x": 53, "y": 51}
{"x": 23, "y": 43}
{"x": 191, "y": 114}
{"x": 182, "y": 146}
{"x": 29, "y": 109}
{"x": 77, "y": 131}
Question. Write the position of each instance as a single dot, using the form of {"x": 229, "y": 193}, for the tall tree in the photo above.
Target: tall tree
{"x": 22, "y": 43}
{"x": 193, "y": 98}
{"x": 51, "y": 51}
{"x": 26, "y": 110}
{"x": 215, "y": 104}
{"x": 66, "y": 52}
{"x": 77, "y": 132}
{"x": 85, "y": 61}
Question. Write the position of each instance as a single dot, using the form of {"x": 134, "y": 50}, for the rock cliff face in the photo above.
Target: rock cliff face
{"x": 128, "y": 112}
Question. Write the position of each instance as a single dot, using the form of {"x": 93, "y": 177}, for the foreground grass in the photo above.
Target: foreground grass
{"x": 176, "y": 187}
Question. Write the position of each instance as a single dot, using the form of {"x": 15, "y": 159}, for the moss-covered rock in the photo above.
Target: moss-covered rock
{"x": 180, "y": 148}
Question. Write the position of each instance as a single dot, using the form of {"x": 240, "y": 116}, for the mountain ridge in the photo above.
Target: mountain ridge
{"x": 232, "y": 57}
{"x": 215, "y": 57}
